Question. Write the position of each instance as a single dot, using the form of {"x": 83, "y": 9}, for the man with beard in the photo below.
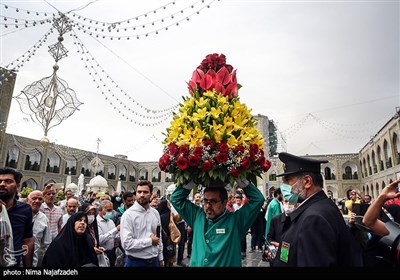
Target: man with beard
{"x": 140, "y": 231}
{"x": 71, "y": 206}
{"x": 217, "y": 232}
{"x": 20, "y": 215}
{"x": 315, "y": 234}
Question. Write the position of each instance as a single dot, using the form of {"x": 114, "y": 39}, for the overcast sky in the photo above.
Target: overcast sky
{"x": 326, "y": 72}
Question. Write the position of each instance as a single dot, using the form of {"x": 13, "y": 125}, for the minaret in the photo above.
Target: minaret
{"x": 7, "y": 83}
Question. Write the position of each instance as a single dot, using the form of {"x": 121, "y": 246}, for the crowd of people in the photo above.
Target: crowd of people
{"x": 300, "y": 226}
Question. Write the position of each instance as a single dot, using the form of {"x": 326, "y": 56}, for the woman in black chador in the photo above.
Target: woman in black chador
{"x": 72, "y": 246}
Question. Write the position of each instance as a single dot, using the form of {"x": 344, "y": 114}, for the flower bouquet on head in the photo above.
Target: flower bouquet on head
{"x": 214, "y": 137}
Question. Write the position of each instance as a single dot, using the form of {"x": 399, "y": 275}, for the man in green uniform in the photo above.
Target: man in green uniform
{"x": 217, "y": 232}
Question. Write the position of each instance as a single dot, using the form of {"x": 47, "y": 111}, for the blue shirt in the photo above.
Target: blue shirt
{"x": 20, "y": 216}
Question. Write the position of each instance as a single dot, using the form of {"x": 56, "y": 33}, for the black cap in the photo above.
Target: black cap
{"x": 294, "y": 164}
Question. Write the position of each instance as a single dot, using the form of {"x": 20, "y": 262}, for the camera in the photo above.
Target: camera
{"x": 392, "y": 241}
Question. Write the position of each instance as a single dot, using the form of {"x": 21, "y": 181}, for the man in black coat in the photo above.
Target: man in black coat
{"x": 315, "y": 234}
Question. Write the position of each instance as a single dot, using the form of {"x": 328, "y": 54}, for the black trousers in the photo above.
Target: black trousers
{"x": 111, "y": 256}
{"x": 181, "y": 245}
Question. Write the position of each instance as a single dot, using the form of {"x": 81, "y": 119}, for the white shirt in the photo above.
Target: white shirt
{"x": 65, "y": 218}
{"x": 107, "y": 232}
{"x": 62, "y": 205}
{"x": 137, "y": 225}
{"x": 41, "y": 234}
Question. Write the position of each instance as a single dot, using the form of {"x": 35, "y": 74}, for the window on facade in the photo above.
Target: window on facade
{"x": 348, "y": 172}
{"x": 156, "y": 175}
{"x": 143, "y": 174}
{"x": 169, "y": 177}
{"x": 111, "y": 172}
{"x": 122, "y": 172}
{"x": 53, "y": 162}
{"x": 32, "y": 161}
{"x": 386, "y": 152}
{"x": 374, "y": 166}
{"x": 327, "y": 172}
{"x": 70, "y": 166}
{"x": 396, "y": 146}
{"x": 85, "y": 170}
{"x": 12, "y": 157}
{"x": 132, "y": 175}
{"x": 30, "y": 183}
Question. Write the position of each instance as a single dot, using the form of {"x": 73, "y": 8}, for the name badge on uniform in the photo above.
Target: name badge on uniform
{"x": 220, "y": 231}
{"x": 284, "y": 252}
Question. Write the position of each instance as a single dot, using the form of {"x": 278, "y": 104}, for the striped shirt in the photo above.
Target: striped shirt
{"x": 54, "y": 215}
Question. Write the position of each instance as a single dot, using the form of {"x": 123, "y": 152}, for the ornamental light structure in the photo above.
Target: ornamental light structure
{"x": 50, "y": 101}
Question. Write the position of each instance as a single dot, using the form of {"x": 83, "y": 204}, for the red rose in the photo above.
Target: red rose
{"x": 254, "y": 148}
{"x": 266, "y": 165}
{"x": 198, "y": 151}
{"x": 173, "y": 149}
{"x": 239, "y": 149}
{"x": 184, "y": 150}
{"x": 235, "y": 172}
{"x": 194, "y": 160}
{"x": 207, "y": 166}
{"x": 221, "y": 157}
{"x": 162, "y": 165}
{"x": 182, "y": 163}
{"x": 223, "y": 147}
{"x": 245, "y": 163}
{"x": 164, "y": 162}
{"x": 208, "y": 143}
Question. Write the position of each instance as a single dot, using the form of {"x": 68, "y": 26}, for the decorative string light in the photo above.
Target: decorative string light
{"x": 104, "y": 32}
{"x": 28, "y": 12}
{"x": 335, "y": 128}
{"x": 25, "y": 57}
{"x": 86, "y": 56}
{"x": 159, "y": 116}
{"x": 113, "y": 24}
{"x": 119, "y": 105}
{"x": 294, "y": 128}
{"x": 9, "y": 22}
{"x": 27, "y": 149}
{"x": 143, "y": 144}
{"x": 67, "y": 153}
{"x": 348, "y": 134}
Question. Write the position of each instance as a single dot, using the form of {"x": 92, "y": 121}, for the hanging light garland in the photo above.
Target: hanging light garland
{"x": 151, "y": 117}
{"x": 143, "y": 144}
{"x": 347, "y": 134}
{"x": 67, "y": 153}
{"x": 91, "y": 64}
{"x": 14, "y": 66}
{"x": 27, "y": 149}
{"x": 104, "y": 31}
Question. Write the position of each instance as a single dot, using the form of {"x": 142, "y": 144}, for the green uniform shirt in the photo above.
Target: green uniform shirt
{"x": 217, "y": 243}
{"x": 274, "y": 208}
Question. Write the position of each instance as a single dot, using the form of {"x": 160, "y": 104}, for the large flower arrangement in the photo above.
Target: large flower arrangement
{"x": 214, "y": 136}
